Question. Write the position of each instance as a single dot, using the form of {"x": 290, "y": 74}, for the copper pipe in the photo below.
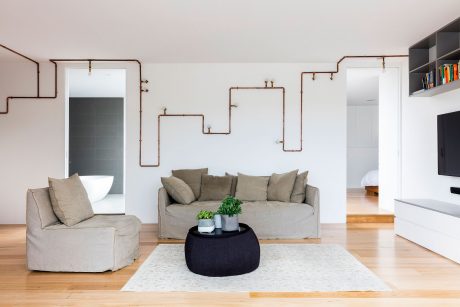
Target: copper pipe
{"x": 230, "y": 105}
{"x": 202, "y": 116}
{"x": 7, "y": 109}
{"x": 354, "y": 57}
{"x": 141, "y": 91}
{"x": 29, "y": 59}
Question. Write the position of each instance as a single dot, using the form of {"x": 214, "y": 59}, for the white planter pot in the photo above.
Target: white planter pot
{"x": 206, "y": 225}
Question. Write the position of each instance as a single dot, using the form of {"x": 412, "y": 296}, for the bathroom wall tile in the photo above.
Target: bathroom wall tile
{"x": 96, "y": 138}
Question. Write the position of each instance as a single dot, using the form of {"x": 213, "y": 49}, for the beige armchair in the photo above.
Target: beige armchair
{"x": 101, "y": 243}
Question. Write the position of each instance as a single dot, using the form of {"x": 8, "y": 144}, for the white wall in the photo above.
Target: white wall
{"x": 362, "y": 142}
{"x": 100, "y": 83}
{"x": 32, "y": 135}
{"x": 389, "y": 136}
{"x": 31, "y": 138}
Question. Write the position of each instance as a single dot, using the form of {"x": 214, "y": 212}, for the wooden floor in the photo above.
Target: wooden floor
{"x": 365, "y": 209}
{"x": 417, "y": 276}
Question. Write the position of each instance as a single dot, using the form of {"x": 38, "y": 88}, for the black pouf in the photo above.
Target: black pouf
{"x": 222, "y": 253}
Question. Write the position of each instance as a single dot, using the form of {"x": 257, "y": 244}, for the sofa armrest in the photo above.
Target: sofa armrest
{"x": 312, "y": 198}
{"x": 163, "y": 202}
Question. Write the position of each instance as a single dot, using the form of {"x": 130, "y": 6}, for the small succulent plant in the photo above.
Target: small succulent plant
{"x": 204, "y": 215}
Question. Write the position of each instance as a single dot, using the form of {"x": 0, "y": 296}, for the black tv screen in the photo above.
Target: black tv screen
{"x": 449, "y": 144}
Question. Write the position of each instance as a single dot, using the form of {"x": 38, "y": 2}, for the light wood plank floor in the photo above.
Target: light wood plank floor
{"x": 359, "y": 203}
{"x": 418, "y": 276}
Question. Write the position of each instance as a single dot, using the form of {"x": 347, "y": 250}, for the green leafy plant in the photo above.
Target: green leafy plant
{"x": 204, "y": 215}
{"x": 230, "y": 206}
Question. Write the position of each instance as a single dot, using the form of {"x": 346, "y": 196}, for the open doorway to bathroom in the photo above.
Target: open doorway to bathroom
{"x": 373, "y": 108}
{"x": 96, "y": 135}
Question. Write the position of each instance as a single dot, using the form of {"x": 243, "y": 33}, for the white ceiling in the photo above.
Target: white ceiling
{"x": 363, "y": 86}
{"x": 219, "y": 30}
{"x": 101, "y": 83}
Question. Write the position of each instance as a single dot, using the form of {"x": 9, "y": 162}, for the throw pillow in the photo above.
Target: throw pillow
{"x": 298, "y": 192}
{"x": 69, "y": 200}
{"x": 192, "y": 177}
{"x": 215, "y": 187}
{"x": 234, "y": 183}
{"x": 280, "y": 186}
{"x": 178, "y": 190}
{"x": 251, "y": 188}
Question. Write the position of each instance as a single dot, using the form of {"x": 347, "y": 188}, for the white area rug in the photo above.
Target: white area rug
{"x": 283, "y": 268}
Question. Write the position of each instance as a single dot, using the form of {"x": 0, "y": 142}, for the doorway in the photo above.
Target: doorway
{"x": 373, "y": 112}
{"x": 96, "y": 135}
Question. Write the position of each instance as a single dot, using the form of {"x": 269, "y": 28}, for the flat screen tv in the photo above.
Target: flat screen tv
{"x": 449, "y": 144}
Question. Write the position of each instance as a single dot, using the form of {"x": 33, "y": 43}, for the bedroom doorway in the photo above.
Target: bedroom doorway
{"x": 372, "y": 143}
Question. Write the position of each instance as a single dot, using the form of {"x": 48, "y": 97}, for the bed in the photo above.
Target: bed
{"x": 370, "y": 182}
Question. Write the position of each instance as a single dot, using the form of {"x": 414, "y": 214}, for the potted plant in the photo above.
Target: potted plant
{"x": 229, "y": 210}
{"x": 205, "y": 221}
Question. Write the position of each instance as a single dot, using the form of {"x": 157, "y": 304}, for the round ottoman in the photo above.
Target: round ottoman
{"x": 222, "y": 253}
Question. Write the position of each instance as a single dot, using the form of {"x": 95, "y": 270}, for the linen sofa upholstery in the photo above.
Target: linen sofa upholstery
{"x": 98, "y": 244}
{"x": 268, "y": 219}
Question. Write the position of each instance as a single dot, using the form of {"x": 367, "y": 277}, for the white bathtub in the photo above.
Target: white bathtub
{"x": 97, "y": 187}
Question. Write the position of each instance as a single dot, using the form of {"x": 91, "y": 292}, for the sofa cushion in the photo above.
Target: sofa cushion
{"x": 280, "y": 186}
{"x": 251, "y": 188}
{"x": 269, "y": 210}
{"x": 298, "y": 192}
{"x": 123, "y": 224}
{"x": 189, "y": 212}
{"x": 192, "y": 177}
{"x": 178, "y": 190}
{"x": 69, "y": 200}
{"x": 265, "y": 211}
{"x": 215, "y": 187}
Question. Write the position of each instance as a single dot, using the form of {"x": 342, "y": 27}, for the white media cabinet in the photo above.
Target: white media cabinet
{"x": 432, "y": 224}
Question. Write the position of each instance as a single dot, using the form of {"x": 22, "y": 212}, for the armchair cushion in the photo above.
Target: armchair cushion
{"x": 69, "y": 200}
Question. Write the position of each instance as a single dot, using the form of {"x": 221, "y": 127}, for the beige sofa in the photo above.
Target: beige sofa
{"x": 98, "y": 244}
{"x": 269, "y": 219}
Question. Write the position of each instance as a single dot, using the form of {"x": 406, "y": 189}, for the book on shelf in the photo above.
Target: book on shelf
{"x": 448, "y": 73}
{"x": 428, "y": 80}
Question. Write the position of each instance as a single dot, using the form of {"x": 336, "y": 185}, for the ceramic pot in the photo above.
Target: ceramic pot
{"x": 230, "y": 223}
{"x": 206, "y": 225}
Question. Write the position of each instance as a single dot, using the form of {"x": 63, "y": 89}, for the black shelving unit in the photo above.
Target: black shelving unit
{"x": 441, "y": 47}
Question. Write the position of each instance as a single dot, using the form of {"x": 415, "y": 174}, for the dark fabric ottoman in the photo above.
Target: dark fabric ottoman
{"x": 222, "y": 253}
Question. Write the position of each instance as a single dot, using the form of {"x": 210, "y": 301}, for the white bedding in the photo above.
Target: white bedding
{"x": 371, "y": 178}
